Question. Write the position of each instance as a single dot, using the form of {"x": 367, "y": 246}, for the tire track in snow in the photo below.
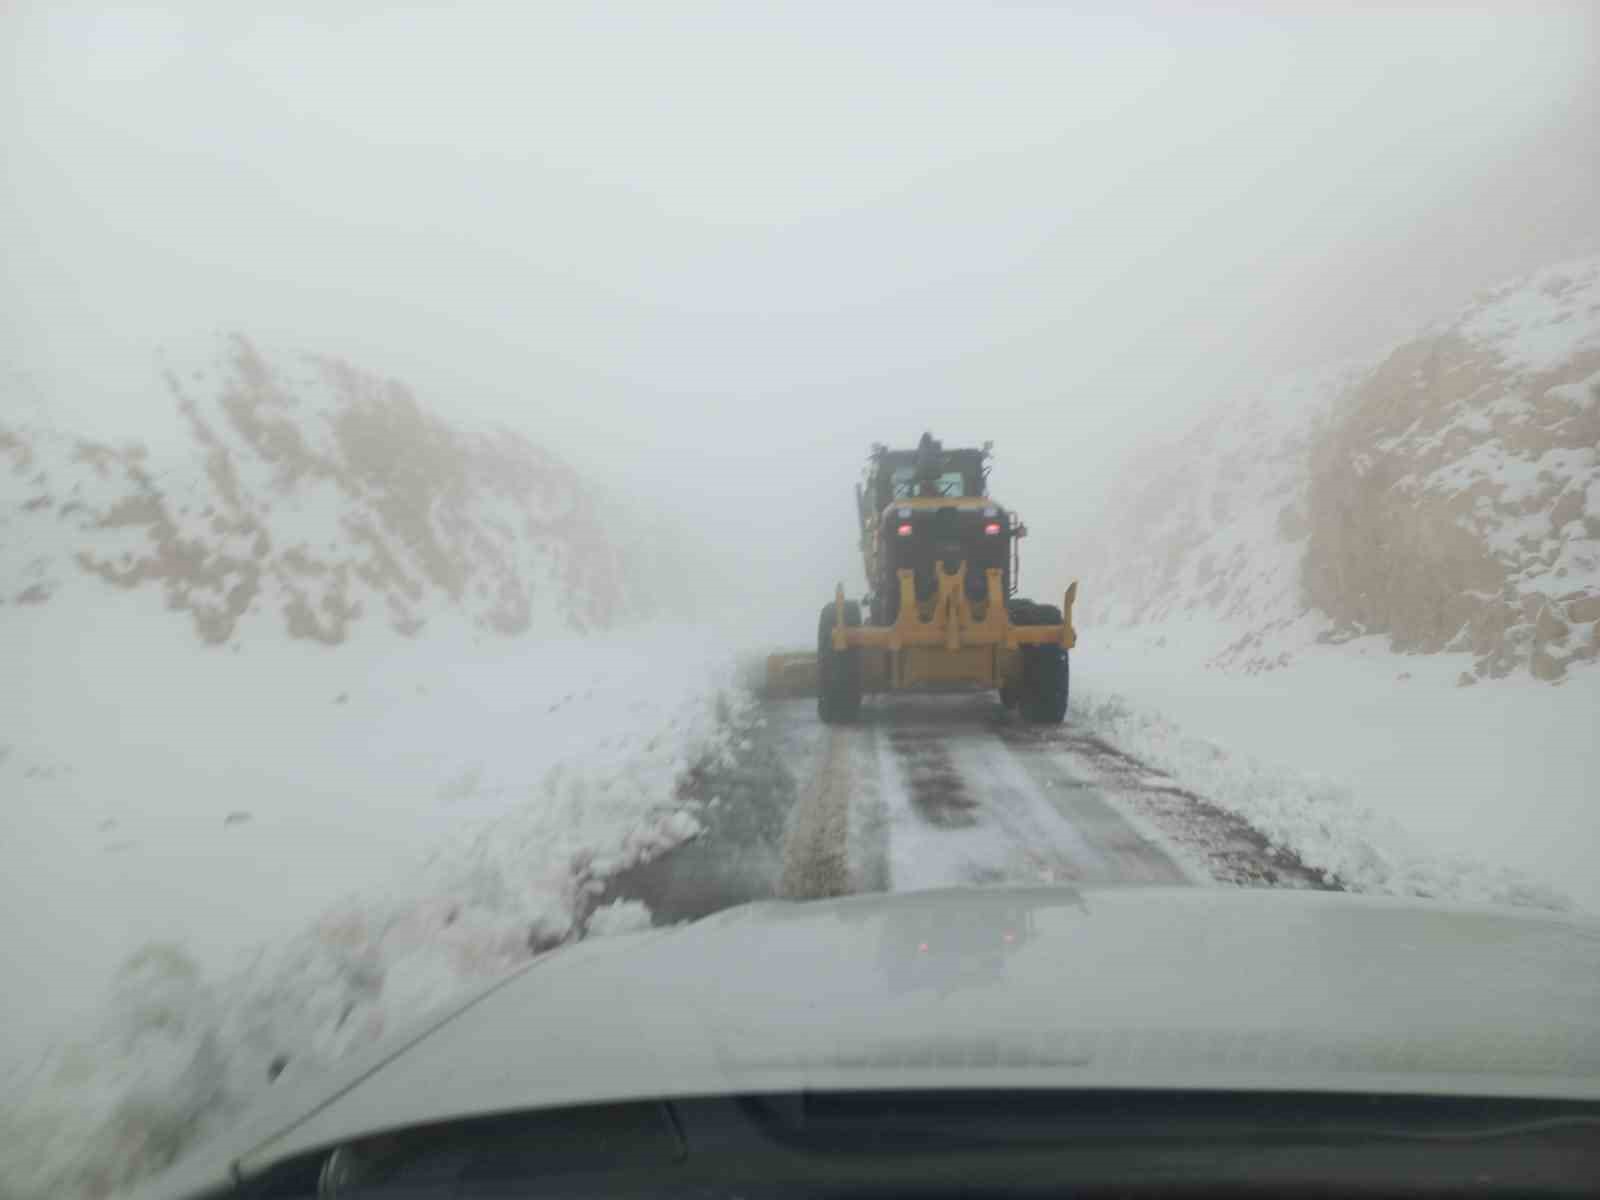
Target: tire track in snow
{"x": 816, "y": 848}
{"x": 962, "y": 807}
{"x": 1219, "y": 846}
{"x": 934, "y": 791}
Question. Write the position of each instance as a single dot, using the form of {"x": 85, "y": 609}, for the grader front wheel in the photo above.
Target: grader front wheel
{"x": 1042, "y": 696}
{"x": 838, "y": 671}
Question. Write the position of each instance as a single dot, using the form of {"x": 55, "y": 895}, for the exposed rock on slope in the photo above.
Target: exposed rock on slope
{"x": 316, "y": 495}
{"x": 1455, "y": 499}
{"x": 1447, "y": 496}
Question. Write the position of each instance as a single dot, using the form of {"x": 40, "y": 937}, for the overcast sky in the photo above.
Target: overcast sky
{"x": 722, "y": 247}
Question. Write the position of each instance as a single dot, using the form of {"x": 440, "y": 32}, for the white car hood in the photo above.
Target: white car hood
{"x": 975, "y": 988}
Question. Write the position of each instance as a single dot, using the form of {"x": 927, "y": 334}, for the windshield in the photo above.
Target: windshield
{"x": 460, "y": 500}
{"x": 906, "y": 485}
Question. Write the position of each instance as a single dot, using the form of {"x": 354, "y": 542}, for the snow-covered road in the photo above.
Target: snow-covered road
{"x": 295, "y": 853}
{"x": 969, "y": 797}
{"x": 936, "y": 791}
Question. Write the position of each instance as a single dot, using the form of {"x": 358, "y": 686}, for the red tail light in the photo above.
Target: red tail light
{"x": 992, "y": 528}
{"x": 904, "y": 530}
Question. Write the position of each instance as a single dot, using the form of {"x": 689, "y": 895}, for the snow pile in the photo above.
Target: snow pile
{"x": 1374, "y": 768}
{"x": 620, "y": 916}
{"x": 299, "y": 491}
{"x": 1446, "y": 496}
{"x": 583, "y": 746}
{"x": 1319, "y": 819}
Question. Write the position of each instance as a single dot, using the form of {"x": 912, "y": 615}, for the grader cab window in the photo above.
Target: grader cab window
{"x": 906, "y": 486}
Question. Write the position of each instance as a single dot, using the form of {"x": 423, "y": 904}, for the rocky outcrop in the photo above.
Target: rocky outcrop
{"x": 1455, "y": 505}
{"x": 319, "y": 496}
{"x": 1445, "y": 496}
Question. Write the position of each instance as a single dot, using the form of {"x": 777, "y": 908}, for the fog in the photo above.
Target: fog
{"x": 708, "y": 252}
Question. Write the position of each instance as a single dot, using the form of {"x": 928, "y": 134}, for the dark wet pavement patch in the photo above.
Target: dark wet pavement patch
{"x": 743, "y": 806}
{"x": 938, "y": 793}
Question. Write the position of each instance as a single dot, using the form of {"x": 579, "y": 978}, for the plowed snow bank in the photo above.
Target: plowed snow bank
{"x": 1373, "y": 767}
{"x": 291, "y": 858}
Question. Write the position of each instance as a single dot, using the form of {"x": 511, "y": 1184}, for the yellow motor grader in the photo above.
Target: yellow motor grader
{"x": 941, "y": 614}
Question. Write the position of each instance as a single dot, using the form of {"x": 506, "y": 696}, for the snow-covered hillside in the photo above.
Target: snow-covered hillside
{"x": 302, "y": 492}
{"x": 1445, "y": 496}
{"x": 318, "y": 711}
{"x": 1311, "y": 578}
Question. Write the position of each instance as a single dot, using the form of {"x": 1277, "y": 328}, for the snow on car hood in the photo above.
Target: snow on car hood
{"x": 1033, "y": 987}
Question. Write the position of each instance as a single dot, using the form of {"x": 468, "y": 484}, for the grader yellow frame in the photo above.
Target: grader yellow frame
{"x": 940, "y": 642}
